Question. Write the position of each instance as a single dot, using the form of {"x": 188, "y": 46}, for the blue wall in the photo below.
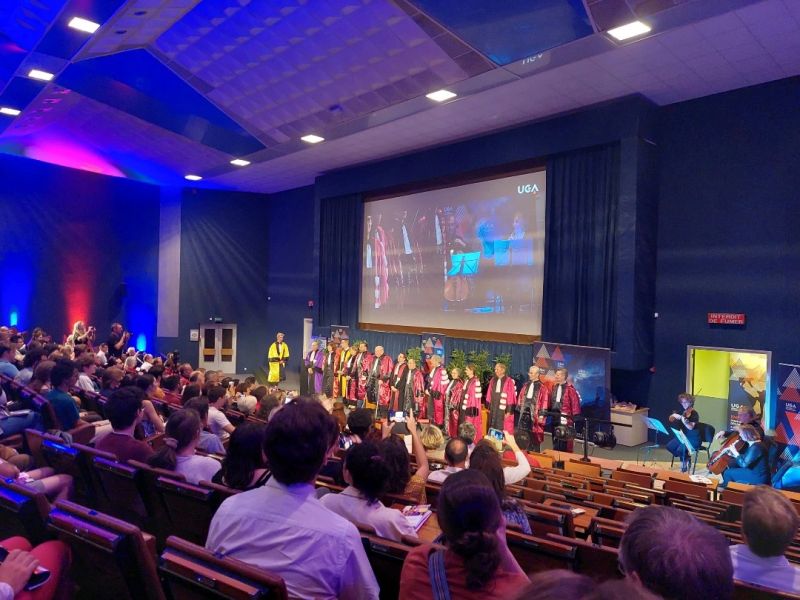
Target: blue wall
{"x": 729, "y": 228}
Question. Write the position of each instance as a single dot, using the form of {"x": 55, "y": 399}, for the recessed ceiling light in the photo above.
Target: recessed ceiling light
{"x": 240, "y": 162}
{"x": 13, "y": 112}
{"x": 312, "y": 139}
{"x": 41, "y": 75}
{"x": 192, "y": 177}
{"x": 626, "y": 32}
{"x": 84, "y": 25}
{"x": 441, "y": 95}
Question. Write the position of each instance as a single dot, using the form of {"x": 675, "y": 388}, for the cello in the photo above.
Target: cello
{"x": 721, "y": 459}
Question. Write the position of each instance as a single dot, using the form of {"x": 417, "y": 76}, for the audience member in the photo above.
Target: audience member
{"x": 556, "y": 584}
{"x": 245, "y": 466}
{"x": 177, "y": 453}
{"x": 29, "y": 363}
{"x": 56, "y": 486}
{"x": 23, "y": 560}
{"x": 267, "y": 401}
{"x": 466, "y": 431}
{"x": 218, "y": 423}
{"x": 7, "y": 366}
{"x": 395, "y": 452}
{"x": 171, "y": 386}
{"x": 40, "y": 382}
{"x": 522, "y": 469}
{"x": 455, "y": 454}
{"x": 359, "y": 425}
{"x": 432, "y": 440}
{"x": 673, "y": 554}
{"x": 318, "y": 553}
{"x": 367, "y": 476}
{"x": 86, "y": 370}
{"x": 476, "y": 562}
{"x": 245, "y": 402}
{"x": 769, "y": 524}
{"x": 62, "y": 378}
{"x": 487, "y": 460}
{"x": 111, "y": 380}
{"x": 152, "y": 422}
{"x": 157, "y": 371}
{"x": 208, "y": 441}
{"x": 124, "y": 410}
{"x": 193, "y": 390}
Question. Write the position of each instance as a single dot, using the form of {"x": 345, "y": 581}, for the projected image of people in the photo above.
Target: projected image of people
{"x": 468, "y": 257}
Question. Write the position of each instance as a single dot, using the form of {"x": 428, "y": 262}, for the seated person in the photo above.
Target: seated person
{"x": 44, "y": 480}
{"x": 208, "y": 441}
{"x": 432, "y": 440}
{"x": 29, "y": 364}
{"x": 752, "y": 465}
{"x": 111, "y": 380}
{"x": 218, "y": 423}
{"x": 788, "y": 476}
{"x": 245, "y": 402}
{"x": 367, "y": 476}
{"x": 685, "y": 420}
{"x": 124, "y": 410}
{"x": 487, "y": 460}
{"x": 267, "y": 402}
{"x": 86, "y": 369}
{"x": 394, "y": 451}
{"x": 171, "y": 386}
{"x": 672, "y": 553}
{"x": 746, "y": 415}
{"x": 476, "y": 562}
{"x": 282, "y": 527}
{"x": 245, "y": 466}
{"x": 62, "y": 378}
{"x": 152, "y": 422}
{"x": 769, "y": 524}
{"x": 359, "y": 425}
{"x": 22, "y": 561}
{"x": 177, "y": 453}
{"x": 522, "y": 469}
{"x": 455, "y": 454}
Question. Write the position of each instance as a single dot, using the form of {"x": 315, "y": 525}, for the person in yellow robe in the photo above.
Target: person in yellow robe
{"x": 277, "y": 357}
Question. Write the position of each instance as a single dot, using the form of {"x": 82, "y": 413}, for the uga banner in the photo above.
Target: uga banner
{"x": 787, "y": 428}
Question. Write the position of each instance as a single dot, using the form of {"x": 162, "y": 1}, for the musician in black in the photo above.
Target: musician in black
{"x": 746, "y": 415}
{"x": 750, "y": 465}
{"x": 685, "y": 420}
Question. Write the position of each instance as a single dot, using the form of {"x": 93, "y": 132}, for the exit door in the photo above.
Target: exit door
{"x": 218, "y": 348}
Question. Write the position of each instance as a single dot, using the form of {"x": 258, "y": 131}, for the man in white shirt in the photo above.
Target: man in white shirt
{"x": 455, "y": 453}
{"x": 86, "y": 368}
{"x": 769, "y": 524}
{"x": 282, "y": 527}
{"x": 218, "y": 423}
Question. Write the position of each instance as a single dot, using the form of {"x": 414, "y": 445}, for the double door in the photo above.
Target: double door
{"x": 218, "y": 347}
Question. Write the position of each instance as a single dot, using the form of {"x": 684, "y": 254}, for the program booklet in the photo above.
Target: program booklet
{"x": 417, "y": 514}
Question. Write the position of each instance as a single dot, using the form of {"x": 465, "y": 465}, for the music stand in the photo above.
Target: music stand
{"x": 658, "y": 427}
{"x": 687, "y": 445}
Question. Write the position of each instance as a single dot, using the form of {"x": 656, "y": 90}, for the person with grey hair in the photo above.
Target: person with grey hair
{"x": 672, "y": 553}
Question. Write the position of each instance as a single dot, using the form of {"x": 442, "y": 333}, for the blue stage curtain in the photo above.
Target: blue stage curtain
{"x": 340, "y": 259}
{"x": 581, "y": 227}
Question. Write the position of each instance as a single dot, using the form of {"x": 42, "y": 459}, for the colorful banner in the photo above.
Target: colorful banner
{"x": 432, "y": 343}
{"x": 589, "y": 370}
{"x": 747, "y": 384}
{"x": 787, "y": 429}
{"x": 339, "y": 333}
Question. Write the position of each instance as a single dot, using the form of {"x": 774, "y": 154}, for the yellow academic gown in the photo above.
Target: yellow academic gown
{"x": 274, "y": 365}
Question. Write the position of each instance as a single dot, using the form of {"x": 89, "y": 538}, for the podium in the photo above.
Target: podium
{"x": 634, "y": 430}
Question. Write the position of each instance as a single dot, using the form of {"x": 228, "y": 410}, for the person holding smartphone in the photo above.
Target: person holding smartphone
{"x": 27, "y": 572}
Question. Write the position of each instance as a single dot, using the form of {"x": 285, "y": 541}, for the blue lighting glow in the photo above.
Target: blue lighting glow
{"x": 141, "y": 342}
{"x": 13, "y": 318}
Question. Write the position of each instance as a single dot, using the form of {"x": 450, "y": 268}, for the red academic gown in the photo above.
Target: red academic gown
{"x": 437, "y": 386}
{"x": 540, "y": 402}
{"x": 415, "y": 394}
{"x": 471, "y": 407}
{"x": 570, "y": 406}
{"x": 380, "y": 370}
{"x": 353, "y": 372}
{"x": 453, "y": 397}
{"x": 398, "y": 381}
{"x": 381, "y": 262}
{"x": 363, "y": 371}
{"x": 501, "y": 404}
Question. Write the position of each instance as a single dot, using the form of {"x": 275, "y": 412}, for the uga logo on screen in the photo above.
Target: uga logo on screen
{"x": 528, "y": 188}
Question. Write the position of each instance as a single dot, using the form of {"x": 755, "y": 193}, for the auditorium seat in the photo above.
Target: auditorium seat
{"x": 597, "y": 562}
{"x": 189, "y": 508}
{"x": 689, "y": 488}
{"x": 750, "y": 591}
{"x": 605, "y": 532}
{"x": 641, "y": 479}
{"x": 544, "y": 521}
{"x": 583, "y": 468}
{"x": 23, "y": 512}
{"x": 110, "y": 557}
{"x": 190, "y": 572}
{"x": 386, "y": 558}
{"x": 536, "y": 554}
{"x": 121, "y": 485}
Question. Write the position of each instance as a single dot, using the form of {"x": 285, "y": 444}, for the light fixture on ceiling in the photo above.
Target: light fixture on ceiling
{"x": 240, "y": 162}
{"x": 84, "y": 25}
{"x": 192, "y": 177}
{"x": 631, "y": 30}
{"x": 312, "y": 139}
{"x": 40, "y": 75}
{"x": 441, "y": 95}
{"x": 11, "y": 112}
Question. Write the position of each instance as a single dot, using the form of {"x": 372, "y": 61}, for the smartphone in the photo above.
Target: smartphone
{"x": 497, "y": 434}
{"x": 37, "y": 579}
{"x": 399, "y": 417}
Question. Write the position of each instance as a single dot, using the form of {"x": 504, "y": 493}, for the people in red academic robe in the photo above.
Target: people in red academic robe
{"x": 414, "y": 398}
{"x": 453, "y": 396}
{"x": 398, "y": 383}
{"x": 501, "y": 397}
{"x": 362, "y": 365}
{"x": 329, "y": 385}
{"x": 379, "y": 390}
{"x": 533, "y": 397}
{"x": 472, "y": 401}
{"x": 377, "y": 261}
{"x": 564, "y": 397}
{"x": 314, "y": 366}
{"x": 437, "y": 386}
{"x": 354, "y": 374}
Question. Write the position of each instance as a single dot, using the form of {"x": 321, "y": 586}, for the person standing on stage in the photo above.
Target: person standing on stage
{"x": 314, "y": 366}
{"x": 471, "y": 404}
{"x": 379, "y": 391}
{"x": 278, "y": 355}
{"x": 414, "y": 398}
{"x": 686, "y": 421}
{"x": 398, "y": 383}
{"x": 533, "y": 397}
{"x": 362, "y": 366}
{"x": 354, "y": 375}
{"x": 342, "y": 369}
{"x": 437, "y": 386}
{"x": 565, "y": 399}
{"x": 452, "y": 401}
{"x": 328, "y": 378}
{"x": 501, "y": 400}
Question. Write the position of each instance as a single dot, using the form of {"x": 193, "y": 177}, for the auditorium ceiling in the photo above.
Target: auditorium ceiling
{"x": 169, "y": 88}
